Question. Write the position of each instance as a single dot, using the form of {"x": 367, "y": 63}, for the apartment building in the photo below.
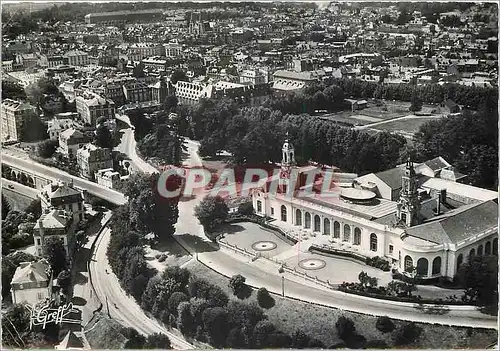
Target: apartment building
{"x": 91, "y": 106}
{"x": 55, "y": 223}
{"x": 77, "y": 58}
{"x": 13, "y": 114}
{"x": 70, "y": 141}
{"x": 91, "y": 158}
{"x": 62, "y": 196}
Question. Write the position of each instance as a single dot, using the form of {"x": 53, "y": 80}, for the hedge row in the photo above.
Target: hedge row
{"x": 403, "y": 299}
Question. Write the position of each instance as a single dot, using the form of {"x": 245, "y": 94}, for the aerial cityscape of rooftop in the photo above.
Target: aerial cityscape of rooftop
{"x": 249, "y": 175}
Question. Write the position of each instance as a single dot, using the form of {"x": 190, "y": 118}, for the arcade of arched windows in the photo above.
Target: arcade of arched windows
{"x": 338, "y": 231}
{"x": 427, "y": 267}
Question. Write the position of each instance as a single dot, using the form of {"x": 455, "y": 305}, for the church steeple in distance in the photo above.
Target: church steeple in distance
{"x": 409, "y": 203}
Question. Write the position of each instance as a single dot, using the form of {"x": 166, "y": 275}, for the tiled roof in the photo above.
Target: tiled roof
{"x": 32, "y": 272}
{"x": 458, "y": 225}
{"x": 55, "y": 219}
{"x": 392, "y": 177}
{"x": 60, "y": 189}
{"x": 72, "y": 133}
{"x": 437, "y": 163}
{"x": 70, "y": 341}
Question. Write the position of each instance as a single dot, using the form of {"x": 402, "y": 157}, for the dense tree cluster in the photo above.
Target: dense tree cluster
{"x": 12, "y": 90}
{"x": 17, "y": 227}
{"x": 469, "y": 142}
{"x": 470, "y": 97}
{"x": 203, "y": 311}
{"x": 479, "y": 276}
{"x": 53, "y": 249}
{"x": 255, "y": 135}
{"x": 126, "y": 253}
{"x": 146, "y": 213}
{"x": 47, "y": 148}
{"x": 158, "y": 136}
{"x": 16, "y": 332}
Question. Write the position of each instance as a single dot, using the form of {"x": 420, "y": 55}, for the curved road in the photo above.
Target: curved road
{"x": 121, "y": 307}
{"x": 128, "y": 146}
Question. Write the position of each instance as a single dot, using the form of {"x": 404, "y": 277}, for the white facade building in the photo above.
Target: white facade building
{"x": 32, "y": 282}
{"x": 410, "y": 219}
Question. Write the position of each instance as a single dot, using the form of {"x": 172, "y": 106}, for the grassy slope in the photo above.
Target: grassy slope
{"x": 319, "y": 322}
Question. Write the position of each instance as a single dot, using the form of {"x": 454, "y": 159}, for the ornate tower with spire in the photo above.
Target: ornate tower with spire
{"x": 287, "y": 162}
{"x": 409, "y": 203}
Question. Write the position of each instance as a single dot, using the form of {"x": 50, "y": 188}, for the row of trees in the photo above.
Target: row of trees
{"x": 471, "y": 97}
{"x": 469, "y": 142}
{"x": 255, "y": 136}
{"x": 202, "y": 310}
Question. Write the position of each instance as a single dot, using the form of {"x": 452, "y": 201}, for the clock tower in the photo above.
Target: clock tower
{"x": 408, "y": 206}
{"x": 287, "y": 162}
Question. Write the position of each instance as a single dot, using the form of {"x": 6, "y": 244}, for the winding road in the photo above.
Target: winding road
{"x": 117, "y": 303}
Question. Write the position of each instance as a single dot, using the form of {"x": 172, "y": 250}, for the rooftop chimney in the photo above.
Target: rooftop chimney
{"x": 438, "y": 205}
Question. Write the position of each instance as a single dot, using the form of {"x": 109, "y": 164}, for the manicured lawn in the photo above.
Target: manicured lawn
{"x": 410, "y": 125}
{"x": 319, "y": 322}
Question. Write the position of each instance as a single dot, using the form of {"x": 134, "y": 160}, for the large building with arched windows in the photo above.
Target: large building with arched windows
{"x": 418, "y": 216}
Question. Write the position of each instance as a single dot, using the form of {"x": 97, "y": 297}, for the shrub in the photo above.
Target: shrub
{"x": 384, "y": 324}
{"x": 185, "y": 320}
{"x": 157, "y": 341}
{"x": 175, "y": 300}
{"x": 245, "y": 208}
{"x": 264, "y": 299}
{"x": 300, "y": 339}
{"x": 408, "y": 334}
{"x": 376, "y": 344}
{"x": 345, "y": 327}
{"x": 379, "y": 262}
{"x": 162, "y": 257}
{"x": 237, "y": 283}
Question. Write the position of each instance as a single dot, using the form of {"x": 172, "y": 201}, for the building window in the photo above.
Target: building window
{"x": 408, "y": 263}
{"x": 373, "y": 242}
{"x": 347, "y": 233}
{"x": 436, "y": 265}
{"x": 79, "y": 206}
{"x": 308, "y": 220}
{"x": 259, "y": 206}
{"x": 38, "y": 241}
{"x": 336, "y": 229}
{"x": 326, "y": 226}
{"x": 283, "y": 213}
{"x": 391, "y": 249}
{"x": 422, "y": 267}
{"x": 298, "y": 217}
{"x": 357, "y": 236}
{"x": 20, "y": 286}
{"x": 272, "y": 211}
{"x": 40, "y": 296}
{"x": 317, "y": 223}
{"x": 460, "y": 260}
{"x": 487, "y": 248}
